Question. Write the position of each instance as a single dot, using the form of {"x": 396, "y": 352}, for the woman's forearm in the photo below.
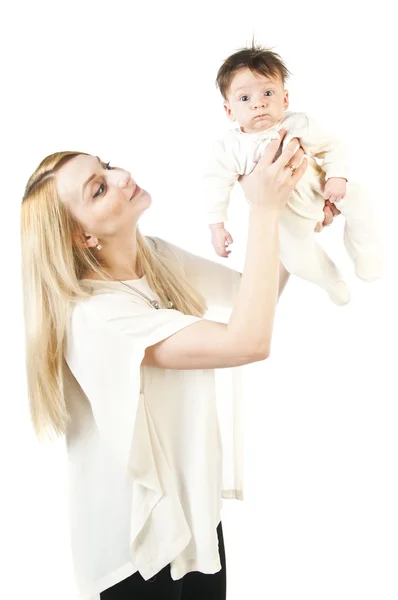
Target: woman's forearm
{"x": 252, "y": 317}
{"x": 247, "y": 335}
{"x": 283, "y": 278}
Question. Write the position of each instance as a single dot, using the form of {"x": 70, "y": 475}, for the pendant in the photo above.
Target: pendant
{"x": 156, "y": 304}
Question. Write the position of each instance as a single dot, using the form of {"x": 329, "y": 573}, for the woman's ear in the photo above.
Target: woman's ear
{"x": 84, "y": 240}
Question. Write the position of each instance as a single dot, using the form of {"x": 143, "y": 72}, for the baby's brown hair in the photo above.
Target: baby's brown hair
{"x": 256, "y": 58}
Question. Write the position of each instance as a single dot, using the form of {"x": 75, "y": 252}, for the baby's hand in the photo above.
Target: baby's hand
{"x": 220, "y": 238}
{"x": 330, "y": 211}
{"x": 335, "y": 189}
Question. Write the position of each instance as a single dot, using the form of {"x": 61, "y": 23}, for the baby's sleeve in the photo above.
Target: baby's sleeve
{"x": 319, "y": 143}
{"x": 218, "y": 178}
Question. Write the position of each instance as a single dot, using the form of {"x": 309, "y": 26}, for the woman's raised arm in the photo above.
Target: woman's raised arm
{"x": 247, "y": 335}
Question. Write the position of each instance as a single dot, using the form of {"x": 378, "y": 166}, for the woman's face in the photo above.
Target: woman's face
{"x": 103, "y": 199}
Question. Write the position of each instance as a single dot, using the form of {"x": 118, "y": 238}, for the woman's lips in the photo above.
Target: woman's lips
{"x": 136, "y": 191}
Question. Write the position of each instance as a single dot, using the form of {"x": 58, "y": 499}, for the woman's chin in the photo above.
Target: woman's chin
{"x": 146, "y": 198}
{"x": 142, "y": 203}
{"x": 142, "y": 199}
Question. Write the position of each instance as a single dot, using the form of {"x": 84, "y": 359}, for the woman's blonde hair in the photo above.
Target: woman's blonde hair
{"x": 52, "y": 267}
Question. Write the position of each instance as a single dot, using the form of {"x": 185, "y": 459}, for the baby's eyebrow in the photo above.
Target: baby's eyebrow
{"x": 244, "y": 89}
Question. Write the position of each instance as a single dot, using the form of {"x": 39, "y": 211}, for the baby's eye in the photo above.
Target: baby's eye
{"x": 244, "y": 98}
{"x": 268, "y": 93}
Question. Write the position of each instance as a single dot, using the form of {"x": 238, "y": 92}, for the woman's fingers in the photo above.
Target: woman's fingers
{"x": 333, "y": 208}
{"x": 300, "y": 170}
{"x": 282, "y": 134}
{"x": 329, "y": 211}
{"x": 271, "y": 181}
{"x": 328, "y": 220}
{"x": 273, "y": 150}
{"x": 273, "y": 153}
{"x": 287, "y": 155}
{"x": 296, "y": 160}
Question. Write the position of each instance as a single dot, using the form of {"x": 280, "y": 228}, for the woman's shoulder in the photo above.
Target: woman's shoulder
{"x": 160, "y": 244}
{"x": 169, "y": 251}
{"x": 192, "y": 262}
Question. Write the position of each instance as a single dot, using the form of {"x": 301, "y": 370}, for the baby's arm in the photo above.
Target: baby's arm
{"x": 220, "y": 239}
{"x": 319, "y": 143}
{"x": 219, "y": 177}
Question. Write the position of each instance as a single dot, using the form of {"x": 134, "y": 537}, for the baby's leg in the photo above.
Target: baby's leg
{"x": 302, "y": 256}
{"x": 361, "y": 237}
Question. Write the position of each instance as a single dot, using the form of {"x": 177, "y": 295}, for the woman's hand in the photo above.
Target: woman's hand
{"x": 272, "y": 180}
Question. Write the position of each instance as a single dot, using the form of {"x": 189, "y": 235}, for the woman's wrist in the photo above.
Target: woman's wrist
{"x": 257, "y": 211}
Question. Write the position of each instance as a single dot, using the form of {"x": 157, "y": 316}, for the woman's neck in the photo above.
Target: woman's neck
{"x": 118, "y": 260}
{"x": 119, "y": 276}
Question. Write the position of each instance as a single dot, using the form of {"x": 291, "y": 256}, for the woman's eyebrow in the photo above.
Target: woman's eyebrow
{"x": 90, "y": 178}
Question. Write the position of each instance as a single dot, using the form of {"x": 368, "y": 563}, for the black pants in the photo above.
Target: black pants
{"x": 193, "y": 586}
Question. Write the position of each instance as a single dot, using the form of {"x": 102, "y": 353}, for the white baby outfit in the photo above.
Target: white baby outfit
{"x": 236, "y": 153}
{"x": 151, "y": 452}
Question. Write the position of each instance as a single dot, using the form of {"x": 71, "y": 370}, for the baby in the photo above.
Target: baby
{"x": 252, "y": 83}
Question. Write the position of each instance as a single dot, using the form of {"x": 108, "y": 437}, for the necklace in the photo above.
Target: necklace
{"x": 153, "y": 303}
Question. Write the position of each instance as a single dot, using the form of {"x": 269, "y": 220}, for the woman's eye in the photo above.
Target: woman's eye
{"x": 102, "y": 186}
{"x": 98, "y": 192}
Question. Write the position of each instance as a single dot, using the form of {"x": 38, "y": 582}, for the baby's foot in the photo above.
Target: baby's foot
{"x": 368, "y": 266}
{"x": 367, "y": 262}
{"x": 339, "y": 293}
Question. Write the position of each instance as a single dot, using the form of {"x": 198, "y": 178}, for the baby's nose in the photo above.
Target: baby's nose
{"x": 259, "y": 102}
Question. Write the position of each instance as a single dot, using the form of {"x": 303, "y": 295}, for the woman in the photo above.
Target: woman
{"x": 121, "y": 360}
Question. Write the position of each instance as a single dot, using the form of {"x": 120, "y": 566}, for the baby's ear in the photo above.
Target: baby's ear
{"x": 286, "y": 100}
{"x": 229, "y": 112}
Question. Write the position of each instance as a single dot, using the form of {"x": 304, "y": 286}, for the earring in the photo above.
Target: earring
{"x": 99, "y": 247}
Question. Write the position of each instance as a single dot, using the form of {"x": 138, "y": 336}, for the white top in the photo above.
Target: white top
{"x": 236, "y": 153}
{"x": 146, "y": 446}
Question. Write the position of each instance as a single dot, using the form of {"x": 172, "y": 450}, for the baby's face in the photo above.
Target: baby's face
{"x": 256, "y": 102}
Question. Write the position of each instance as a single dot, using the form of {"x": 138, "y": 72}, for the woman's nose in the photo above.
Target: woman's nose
{"x": 125, "y": 180}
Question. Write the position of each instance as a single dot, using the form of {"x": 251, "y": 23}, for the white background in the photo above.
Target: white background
{"x": 133, "y": 82}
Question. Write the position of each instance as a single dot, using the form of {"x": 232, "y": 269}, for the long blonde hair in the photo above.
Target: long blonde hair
{"x": 52, "y": 267}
